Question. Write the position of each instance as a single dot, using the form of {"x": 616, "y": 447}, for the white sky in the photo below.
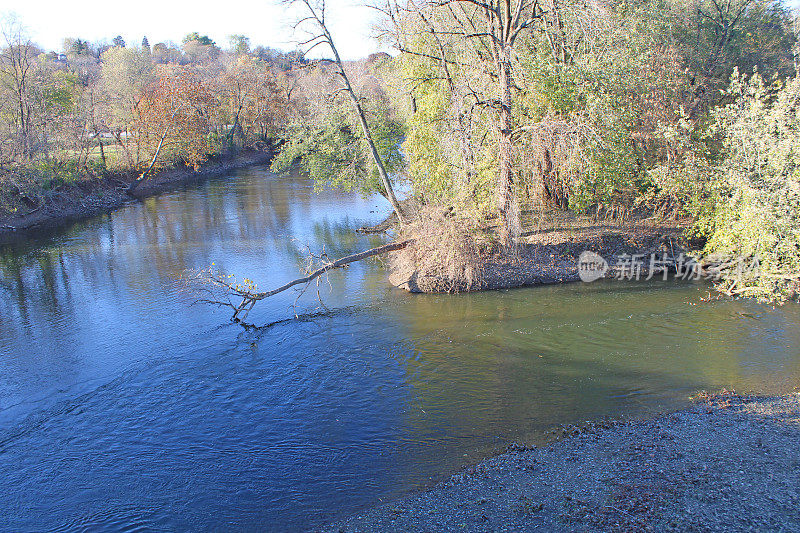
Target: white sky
{"x": 266, "y": 22}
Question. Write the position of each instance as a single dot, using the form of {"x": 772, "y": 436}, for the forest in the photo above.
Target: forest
{"x": 485, "y": 112}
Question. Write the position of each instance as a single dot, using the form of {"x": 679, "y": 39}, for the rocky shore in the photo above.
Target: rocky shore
{"x": 727, "y": 463}
{"x": 89, "y": 198}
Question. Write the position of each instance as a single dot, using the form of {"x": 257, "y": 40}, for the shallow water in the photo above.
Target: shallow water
{"x": 124, "y": 406}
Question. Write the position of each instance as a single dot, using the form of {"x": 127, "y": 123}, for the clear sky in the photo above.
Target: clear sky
{"x": 266, "y": 22}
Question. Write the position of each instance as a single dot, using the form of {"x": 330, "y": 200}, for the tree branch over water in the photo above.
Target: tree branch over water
{"x": 224, "y": 291}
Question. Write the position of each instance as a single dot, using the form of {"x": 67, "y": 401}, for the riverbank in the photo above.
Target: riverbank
{"x": 727, "y": 463}
{"x": 547, "y": 252}
{"x": 85, "y": 199}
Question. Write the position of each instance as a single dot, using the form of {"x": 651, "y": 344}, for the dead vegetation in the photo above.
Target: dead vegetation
{"x": 447, "y": 253}
{"x": 217, "y": 288}
{"x": 457, "y": 253}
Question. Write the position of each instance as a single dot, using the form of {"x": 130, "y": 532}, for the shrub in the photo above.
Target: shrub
{"x": 31, "y": 183}
{"x": 446, "y": 255}
{"x": 755, "y": 202}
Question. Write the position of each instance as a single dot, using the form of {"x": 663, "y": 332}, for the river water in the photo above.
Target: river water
{"x": 125, "y": 406}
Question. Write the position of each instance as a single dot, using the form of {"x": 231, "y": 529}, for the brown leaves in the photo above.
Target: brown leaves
{"x": 172, "y": 123}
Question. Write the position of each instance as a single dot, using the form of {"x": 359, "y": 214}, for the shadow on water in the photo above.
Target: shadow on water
{"x": 123, "y": 406}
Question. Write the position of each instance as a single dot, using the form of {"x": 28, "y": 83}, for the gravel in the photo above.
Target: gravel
{"x": 727, "y": 463}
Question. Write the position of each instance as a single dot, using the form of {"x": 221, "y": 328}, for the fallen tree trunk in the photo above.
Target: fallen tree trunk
{"x": 335, "y": 264}
{"x": 249, "y": 296}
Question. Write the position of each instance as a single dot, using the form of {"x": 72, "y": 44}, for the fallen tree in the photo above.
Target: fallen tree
{"x": 225, "y": 290}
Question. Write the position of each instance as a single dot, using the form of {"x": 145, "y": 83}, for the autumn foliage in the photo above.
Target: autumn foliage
{"x": 172, "y": 120}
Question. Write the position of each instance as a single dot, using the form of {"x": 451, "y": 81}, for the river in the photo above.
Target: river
{"x": 125, "y": 406}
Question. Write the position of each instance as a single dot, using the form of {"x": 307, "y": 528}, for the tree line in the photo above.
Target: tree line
{"x": 657, "y": 108}
{"x": 95, "y": 108}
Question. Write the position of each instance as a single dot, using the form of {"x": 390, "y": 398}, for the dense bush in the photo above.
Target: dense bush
{"x": 754, "y": 209}
{"x": 25, "y": 186}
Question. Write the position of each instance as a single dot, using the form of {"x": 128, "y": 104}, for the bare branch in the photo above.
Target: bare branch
{"x": 223, "y": 291}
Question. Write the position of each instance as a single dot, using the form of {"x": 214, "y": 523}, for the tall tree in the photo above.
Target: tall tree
{"x": 172, "y": 122}
{"x": 205, "y": 40}
{"x": 239, "y": 44}
{"x": 504, "y": 20}
{"x": 16, "y": 75}
{"x": 320, "y": 35}
{"x": 478, "y": 36}
{"x": 125, "y": 75}
{"x": 76, "y": 47}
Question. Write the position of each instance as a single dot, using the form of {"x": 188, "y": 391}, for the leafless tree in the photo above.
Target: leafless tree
{"x": 16, "y": 72}
{"x": 319, "y": 35}
{"x": 225, "y": 291}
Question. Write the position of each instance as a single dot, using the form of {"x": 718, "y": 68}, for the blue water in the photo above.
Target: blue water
{"x": 125, "y": 406}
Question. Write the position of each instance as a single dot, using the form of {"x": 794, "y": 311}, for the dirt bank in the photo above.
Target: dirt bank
{"x": 88, "y": 198}
{"x": 728, "y": 463}
{"x": 548, "y": 252}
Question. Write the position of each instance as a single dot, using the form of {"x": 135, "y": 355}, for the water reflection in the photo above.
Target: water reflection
{"x": 111, "y": 280}
{"x": 122, "y": 405}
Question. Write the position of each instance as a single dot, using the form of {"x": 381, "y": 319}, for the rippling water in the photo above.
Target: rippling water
{"x": 123, "y": 406}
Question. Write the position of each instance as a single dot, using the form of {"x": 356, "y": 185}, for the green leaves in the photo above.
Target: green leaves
{"x": 335, "y": 154}
{"x": 756, "y": 202}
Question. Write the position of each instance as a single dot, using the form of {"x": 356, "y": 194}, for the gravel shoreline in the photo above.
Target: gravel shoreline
{"x": 727, "y": 463}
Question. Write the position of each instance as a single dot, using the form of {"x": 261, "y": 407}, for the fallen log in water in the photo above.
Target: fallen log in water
{"x": 249, "y": 296}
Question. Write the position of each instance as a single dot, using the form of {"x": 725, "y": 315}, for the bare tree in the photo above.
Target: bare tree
{"x": 320, "y": 35}
{"x": 95, "y": 105}
{"x": 16, "y": 71}
{"x": 218, "y": 289}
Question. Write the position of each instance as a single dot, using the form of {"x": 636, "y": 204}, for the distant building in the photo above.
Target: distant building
{"x": 378, "y": 56}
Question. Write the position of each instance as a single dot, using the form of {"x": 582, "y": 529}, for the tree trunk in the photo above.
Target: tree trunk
{"x": 102, "y": 150}
{"x": 131, "y": 190}
{"x": 505, "y": 191}
{"x": 24, "y": 127}
{"x": 362, "y": 120}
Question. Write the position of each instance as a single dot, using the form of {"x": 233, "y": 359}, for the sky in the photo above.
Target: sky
{"x": 266, "y": 22}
